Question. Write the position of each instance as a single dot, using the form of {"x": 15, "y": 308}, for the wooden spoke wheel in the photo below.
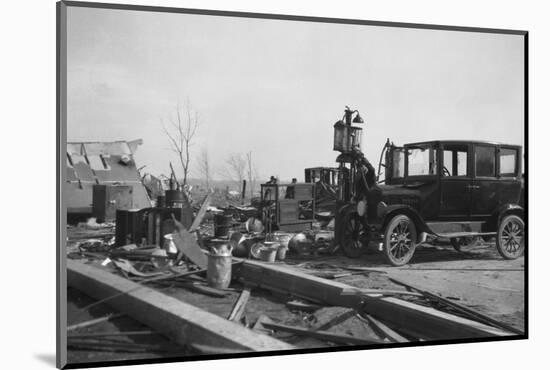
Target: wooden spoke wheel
{"x": 354, "y": 236}
{"x": 399, "y": 240}
{"x": 510, "y": 237}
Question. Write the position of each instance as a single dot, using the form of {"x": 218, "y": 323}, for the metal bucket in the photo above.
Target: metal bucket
{"x": 218, "y": 271}
{"x": 269, "y": 252}
{"x": 281, "y": 252}
{"x": 283, "y": 238}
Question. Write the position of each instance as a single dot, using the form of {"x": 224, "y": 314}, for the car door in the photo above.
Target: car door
{"x": 484, "y": 187}
{"x": 455, "y": 181}
{"x": 509, "y": 175}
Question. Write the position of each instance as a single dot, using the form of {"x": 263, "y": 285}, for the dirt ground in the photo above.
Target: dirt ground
{"x": 478, "y": 277}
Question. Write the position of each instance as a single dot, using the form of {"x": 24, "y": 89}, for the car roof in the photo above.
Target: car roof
{"x": 432, "y": 142}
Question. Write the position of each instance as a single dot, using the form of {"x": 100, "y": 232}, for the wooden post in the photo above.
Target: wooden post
{"x": 181, "y": 322}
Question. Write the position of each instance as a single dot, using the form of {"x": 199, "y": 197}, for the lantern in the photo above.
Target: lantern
{"x": 346, "y": 136}
{"x": 341, "y": 136}
{"x": 356, "y": 134}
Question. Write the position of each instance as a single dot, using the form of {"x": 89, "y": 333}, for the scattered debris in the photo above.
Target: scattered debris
{"x": 112, "y": 334}
{"x": 296, "y": 305}
{"x": 462, "y": 309}
{"x": 95, "y": 321}
{"x": 127, "y": 267}
{"x": 238, "y": 308}
{"x": 322, "y": 335}
{"x": 384, "y": 330}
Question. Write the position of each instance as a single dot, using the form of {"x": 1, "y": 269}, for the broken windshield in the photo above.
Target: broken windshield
{"x": 422, "y": 161}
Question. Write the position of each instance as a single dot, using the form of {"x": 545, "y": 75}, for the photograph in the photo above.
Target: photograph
{"x": 250, "y": 184}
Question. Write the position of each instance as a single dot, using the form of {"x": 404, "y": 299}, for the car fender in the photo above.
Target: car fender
{"x": 388, "y": 212}
{"x": 505, "y": 210}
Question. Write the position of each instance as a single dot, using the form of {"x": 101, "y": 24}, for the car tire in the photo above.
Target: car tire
{"x": 510, "y": 237}
{"x": 399, "y": 240}
{"x": 353, "y": 232}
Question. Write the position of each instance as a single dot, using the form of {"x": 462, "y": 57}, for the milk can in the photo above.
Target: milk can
{"x": 218, "y": 271}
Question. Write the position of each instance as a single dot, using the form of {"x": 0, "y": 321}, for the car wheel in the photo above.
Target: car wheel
{"x": 460, "y": 244}
{"x": 510, "y": 237}
{"x": 399, "y": 240}
{"x": 353, "y": 236}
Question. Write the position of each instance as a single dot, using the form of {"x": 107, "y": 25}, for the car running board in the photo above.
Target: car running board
{"x": 460, "y": 229}
{"x": 464, "y": 234}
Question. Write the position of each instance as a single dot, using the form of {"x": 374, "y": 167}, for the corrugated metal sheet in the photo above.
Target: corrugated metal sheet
{"x": 90, "y": 163}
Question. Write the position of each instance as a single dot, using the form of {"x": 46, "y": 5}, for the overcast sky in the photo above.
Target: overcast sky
{"x": 276, "y": 88}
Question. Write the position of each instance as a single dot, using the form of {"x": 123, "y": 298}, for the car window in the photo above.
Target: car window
{"x": 422, "y": 162}
{"x": 455, "y": 160}
{"x": 485, "y": 161}
{"x": 398, "y": 165}
{"x": 508, "y": 162}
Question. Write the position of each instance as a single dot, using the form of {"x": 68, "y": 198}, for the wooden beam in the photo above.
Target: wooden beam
{"x": 426, "y": 322}
{"x": 181, "y": 322}
{"x": 416, "y": 320}
{"x": 95, "y": 321}
{"x": 200, "y": 215}
{"x": 112, "y": 334}
{"x": 238, "y": 308}
{"x": 463, "y": 309}
{"x": 187, "y": 244}
{"x": 384, "y": 330}
{"x": 320, "y": 334}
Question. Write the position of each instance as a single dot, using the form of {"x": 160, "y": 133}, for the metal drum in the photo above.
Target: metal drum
{"x": 174, "y": 198}
{"x": 222, "y": 225}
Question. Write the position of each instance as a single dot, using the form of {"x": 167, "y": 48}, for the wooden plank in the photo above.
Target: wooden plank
{"x": 203, "y": 289}
{"x": 288, "y": 280}
{"x": 342, "y": 314}
{"x": 94, "y": 321}
{"x": 181, "y": 322}
{"x": 419, "y": 321}
{"x": 112, "y": 334}
{"x": 187, "y": 244}
{"x": 296, "y": 305}
{"x": 426, "y": 322}
{"x": 238, "y": 308}
{"x": 384, "y": 330}
{"x": 321, "y": 335}
{"x": 463, "y": 309}
{"x": 200, "y": 215}
{"x": 355, "y": 291}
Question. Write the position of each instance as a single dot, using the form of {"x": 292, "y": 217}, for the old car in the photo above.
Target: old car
{"x": 450, "y": 189}
{"x": 446, "y": 189}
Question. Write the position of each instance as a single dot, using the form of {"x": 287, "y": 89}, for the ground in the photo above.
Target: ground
{"x": 478, "y": 278}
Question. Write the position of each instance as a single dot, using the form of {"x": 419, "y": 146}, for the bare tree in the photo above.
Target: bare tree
{"x": 204, "y": 166}
{"x": 252, "y": 174}
{"x": 236, "y": 168}
{"x": 180, "y": 134}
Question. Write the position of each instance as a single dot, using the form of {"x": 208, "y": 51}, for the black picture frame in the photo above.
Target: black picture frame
{"x": 61, "y": 281}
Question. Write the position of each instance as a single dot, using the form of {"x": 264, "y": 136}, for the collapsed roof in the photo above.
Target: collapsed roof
{"x": 106, "y": 163}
